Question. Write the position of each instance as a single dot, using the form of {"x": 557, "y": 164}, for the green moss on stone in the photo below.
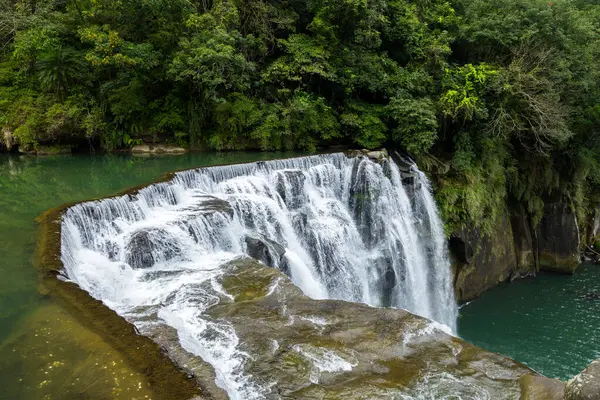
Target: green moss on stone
{"x": 167, "y": 381}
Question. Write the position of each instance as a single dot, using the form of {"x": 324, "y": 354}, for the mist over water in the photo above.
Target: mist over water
{"x": 339, "y": 227}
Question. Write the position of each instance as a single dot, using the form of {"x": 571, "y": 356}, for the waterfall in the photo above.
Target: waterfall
{"x": 340, "y": 227}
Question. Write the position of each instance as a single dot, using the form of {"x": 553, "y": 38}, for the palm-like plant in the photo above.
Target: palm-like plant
{"x": 59, "y": 68}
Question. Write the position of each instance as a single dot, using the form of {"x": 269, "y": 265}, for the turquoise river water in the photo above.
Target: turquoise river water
{"x": 551, "y": 323}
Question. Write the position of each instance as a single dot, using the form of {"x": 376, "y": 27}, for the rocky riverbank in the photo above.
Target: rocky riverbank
{"x": 586, "y": 385}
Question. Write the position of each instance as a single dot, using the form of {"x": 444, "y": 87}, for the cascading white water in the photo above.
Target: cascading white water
{"x": 342, "y": 228}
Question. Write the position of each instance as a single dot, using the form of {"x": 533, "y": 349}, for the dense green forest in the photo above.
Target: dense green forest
{"x": 502, "y": 98}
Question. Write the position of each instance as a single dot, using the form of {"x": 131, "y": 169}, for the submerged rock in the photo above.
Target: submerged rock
{"x": 56, "y": 357}
{"x": 290, "y": 186}
{"x": 586, "y": 385}
{"x": 210, "y": 205}
{"x": 364, "y": 194}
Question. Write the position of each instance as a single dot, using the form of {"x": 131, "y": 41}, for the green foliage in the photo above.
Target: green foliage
{"x": 210, "y": 59}
{"x": 59, "y": 68}
{"x": 475, "y": 193}
{"x": 362, "y": 122}
{"x": 302, "y": 122}
{"x": 504, "y": 95}
{"x": 463, "y": 89}
{"x": 416, "y": 123}
{"x": 305, "y": 58}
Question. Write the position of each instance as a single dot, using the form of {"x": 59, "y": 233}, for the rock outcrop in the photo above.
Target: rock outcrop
{"x": 8, "y": 140}
{"x": 146, "y": 247}
{"x": 290, "y": 186}
{"x": 523, "y": 239}
{"x": 207, "y": 205}
{"x": 482, "y": 261}
{"x": 265, "y": 250}
{"x": 513, "y": 249}
{"x": 539, "y": 388}
{"x": 558, "y": 239}
{"x": 335, "y": 349}
{"x": 586, "y": 385}
{"x": 157, "y": 149}
{"x": 375, "y": 155}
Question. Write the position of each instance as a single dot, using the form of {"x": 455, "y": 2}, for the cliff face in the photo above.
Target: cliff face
{"x": 558, "y": 239}
{"x": 514, "y": 249}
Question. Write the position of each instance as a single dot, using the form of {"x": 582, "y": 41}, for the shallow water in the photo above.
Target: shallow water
{"x": 49, "y": 355}
{"x": 29, "y": 186}
{"x": 551, "y": 323}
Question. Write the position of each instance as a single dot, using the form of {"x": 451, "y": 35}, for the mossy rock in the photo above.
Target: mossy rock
{"x": 541, "y": 388}
{"x": 43, "y": 150}
{"x": 334, "y": 349}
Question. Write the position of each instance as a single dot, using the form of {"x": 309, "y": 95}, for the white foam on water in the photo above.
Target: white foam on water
{"x": 349, "y": 228}
{"x": 444, "y": 386}
{"x": 315, "y": 319}
{"x": 323, "y": 360}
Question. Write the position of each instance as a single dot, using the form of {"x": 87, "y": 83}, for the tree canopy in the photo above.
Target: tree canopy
{"x": 502, "y": 95}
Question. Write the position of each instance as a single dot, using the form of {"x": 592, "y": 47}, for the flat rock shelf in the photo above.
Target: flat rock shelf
{"x": 163, "y": 272}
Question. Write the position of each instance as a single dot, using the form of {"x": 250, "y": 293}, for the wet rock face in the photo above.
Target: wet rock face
{"x": 514, "y": 249}
{"x": 382, "y": 266}
{"x": 301, "y": 348}
{"x": 586, "y": 385}
{"x": 210, "y": 205}
{"x": 481, "y": 261}
{"x": 463, "y": 251}
{"x": 363, "y": 194}
{"x": 267, "y": 251}
{"x": 146, "y": 247}
{"x": 492, "y": 261}
{"x": 525, "y": 249}
{"x": 290, "y": 186}
{"x": 558, "y": 239}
